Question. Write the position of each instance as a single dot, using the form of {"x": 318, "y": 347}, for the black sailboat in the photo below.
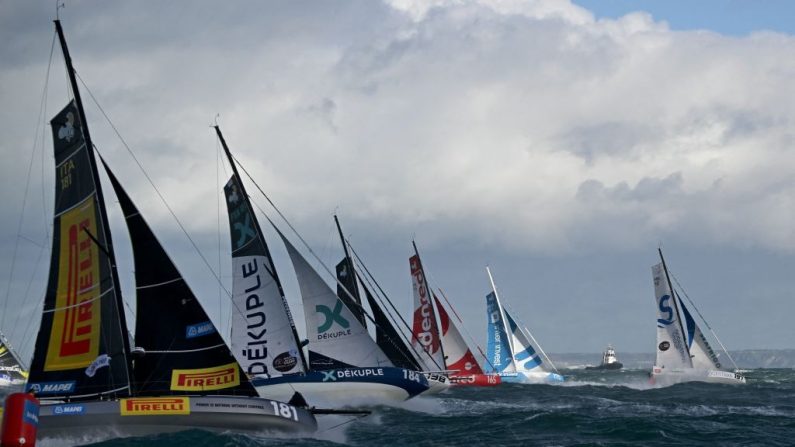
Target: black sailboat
{"x": 84, "y": 370}
{"x": 344, "y": 365}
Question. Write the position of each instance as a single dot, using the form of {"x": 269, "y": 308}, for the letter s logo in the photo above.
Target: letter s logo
{"x": 665, "y": 308}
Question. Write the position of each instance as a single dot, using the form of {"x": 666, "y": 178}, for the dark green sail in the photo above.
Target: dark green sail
{"x": 82, "y": 346}
{"x": 184, "y": 353}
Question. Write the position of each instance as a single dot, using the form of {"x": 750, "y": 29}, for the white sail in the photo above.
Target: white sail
{"x": 336, "y": 338}
{"x": 701, "y": 353}
{"x": 672, "y": 351}
{"x": 263, "y": 337}
{"x": 460, "y": 360}
{"x": 525, "y": 356}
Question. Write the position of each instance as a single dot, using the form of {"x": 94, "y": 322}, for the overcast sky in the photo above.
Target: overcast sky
{"x": 559, "y": 144}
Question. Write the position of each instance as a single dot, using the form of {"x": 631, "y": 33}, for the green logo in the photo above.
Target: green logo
{"x": 331, "y": 317}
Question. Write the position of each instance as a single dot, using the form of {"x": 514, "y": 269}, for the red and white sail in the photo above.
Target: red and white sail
{"x": 425, "y": 332}
{"x": 460, "y": 360}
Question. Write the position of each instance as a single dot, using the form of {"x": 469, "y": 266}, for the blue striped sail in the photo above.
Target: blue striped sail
{"x": 498, "y": 348}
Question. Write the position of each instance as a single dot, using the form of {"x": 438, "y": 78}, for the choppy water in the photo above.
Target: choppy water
{"x": 592, "y": 408}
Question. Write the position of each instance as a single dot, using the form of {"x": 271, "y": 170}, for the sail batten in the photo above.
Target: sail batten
{"x": 170, "y": 320}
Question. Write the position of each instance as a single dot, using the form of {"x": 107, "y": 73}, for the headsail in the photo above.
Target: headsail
{"x": 336, "y": 338}
{"x": 184, "y": 353}
{"x": 498, "y": 346}
{"x": 701, "y": 353}
{"x": 347, "y": 286}
{"x": 388, "y": 338}
{"x": 672, "y": 350}
{"x": 525, "y": 357}
{"x": 460, "y": 359}
{"x": 264, "y": 338}
{"x": 82, "y": 346}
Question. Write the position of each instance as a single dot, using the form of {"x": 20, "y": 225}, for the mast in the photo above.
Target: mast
{"x": 357, "y": 309}
{"x": 502, "y": 314}
{"x": 258, "y": 229}
{"x": 432, "y": 304}
{"x": 675, "y": 299}
{"x": 108, "y": 249}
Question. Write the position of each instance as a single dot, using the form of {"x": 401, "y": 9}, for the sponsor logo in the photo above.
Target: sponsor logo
{"x": 329, "y": 376}
{"x": 666, "y": 309}
{"x": 331, "y": 317}
{"x": 256, "y": 343}
{"x": 284, "y": 362}
{"x": 205, "y": 379}
{"x": 74, "y": 335}
{"x": 43, "y": 388}
{"x": 664, "y": 346}
{"x": 424, "y": 327}
{"x": 30, "y": 413}
{"x": 100, "y": 362}
{"x": 200, "y": 329}
{"x": 67, "y": 131}
{"x": 155, "y": 406}
{"x": 363, "y": 372}
{"x": 68, "y": 409}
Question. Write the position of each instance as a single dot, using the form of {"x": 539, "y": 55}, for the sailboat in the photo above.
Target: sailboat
{"x": 511, "y": 348}
{"x": 89, "y": 379}
{"x": 344, "y": 365}
{"x": 11, "y": 371}
{"x": 683, "y": 352}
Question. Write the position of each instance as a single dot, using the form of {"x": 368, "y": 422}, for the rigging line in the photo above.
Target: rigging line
{"x": 354, "y": 419}
{"x": 152, "y": 183}
{"x": 39, "y": 118}
{"x": 703, "y": 319}
{"x": 218, "y": 230}
{"x": 466, "y": 331}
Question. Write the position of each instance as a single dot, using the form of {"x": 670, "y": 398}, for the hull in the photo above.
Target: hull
{"x": 476, "y": 380}
{"x": 345, "y": 386}
{"x": 606, "y": 367}
{"x": 670, "y": 377}
{"x": 531, "y": 377}
{"x": 437, "y": 383}
{"x": 152, "y": 415}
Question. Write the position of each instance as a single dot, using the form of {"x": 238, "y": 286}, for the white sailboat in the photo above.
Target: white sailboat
{"x": 344, "y": 366}
{"x": 683, "y": 352}
{"x": 511, "y": 348}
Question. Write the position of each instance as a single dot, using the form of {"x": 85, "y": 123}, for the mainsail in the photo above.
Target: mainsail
{"x": 82, "y": 346}
{"x": 336, "y": 338}
{"x": 672, "y": 349}
{"x": 498, "y": 346}
{"x": 184, "y": 353}
{"x": 425, "y": 331}
{"x": 264, "y": 337}
{"x": 460, "y": 360}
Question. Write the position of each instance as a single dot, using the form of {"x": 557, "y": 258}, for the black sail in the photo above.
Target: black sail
{"x": 388, "y": 338}
{"x": 347, "y": 277}
{"x": 82, "y": 346}
{"x": 184, "y": 353}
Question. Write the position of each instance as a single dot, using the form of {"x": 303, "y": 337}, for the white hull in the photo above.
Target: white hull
{"x": 100, "y": 419}
{"x": 673, "y": 376}
{"x": 335, "y": 394}
{"x": 437, "y": 383}
{"x": 531, "y": 377}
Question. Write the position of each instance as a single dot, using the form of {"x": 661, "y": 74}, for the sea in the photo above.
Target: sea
{"x": 592, "y": 408}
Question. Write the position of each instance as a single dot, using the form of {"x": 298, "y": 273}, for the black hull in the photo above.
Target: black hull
{"x": 607, "y": 367}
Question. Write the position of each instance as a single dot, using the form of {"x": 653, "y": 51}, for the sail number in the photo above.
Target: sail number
{"x": 412, "y": 375}
{"x": 285, "y": 410}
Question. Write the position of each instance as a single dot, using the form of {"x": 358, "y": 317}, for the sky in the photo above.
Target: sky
{"x": 559, "y": 143}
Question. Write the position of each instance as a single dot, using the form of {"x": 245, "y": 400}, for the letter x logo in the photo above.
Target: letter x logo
{"x": 328, "y": 376}
{"x": 331, "y": 317}
{"x": 246, "y": 232}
